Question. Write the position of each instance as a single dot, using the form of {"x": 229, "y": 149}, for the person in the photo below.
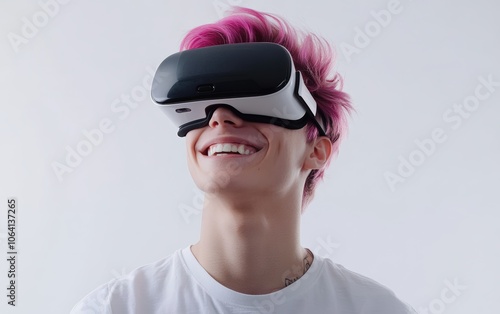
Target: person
{"x": 249, "y": 258}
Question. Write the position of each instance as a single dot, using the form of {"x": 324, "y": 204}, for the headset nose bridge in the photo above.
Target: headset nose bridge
{"x": 222, "y": 116}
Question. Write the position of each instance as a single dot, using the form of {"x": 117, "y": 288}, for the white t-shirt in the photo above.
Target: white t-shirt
{"x": 179, "y": 284}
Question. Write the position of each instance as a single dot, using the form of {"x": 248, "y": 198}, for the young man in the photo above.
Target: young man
{"x": 249, "y": 258}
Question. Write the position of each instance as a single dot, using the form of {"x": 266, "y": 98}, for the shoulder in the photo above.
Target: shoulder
{"x": 138, "y": 284}
{"x": 364, "y": 293}
{"x": 97, "y": 301}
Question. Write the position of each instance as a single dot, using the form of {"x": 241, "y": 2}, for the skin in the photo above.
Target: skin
{"x": 251, "y": 215}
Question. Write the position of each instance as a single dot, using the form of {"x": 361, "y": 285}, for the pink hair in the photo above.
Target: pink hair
{"x": 312, "y": 56}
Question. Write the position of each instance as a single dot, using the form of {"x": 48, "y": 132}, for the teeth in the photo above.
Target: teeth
{"x": 221, "y": 149}
{"x": 241, "y": 149}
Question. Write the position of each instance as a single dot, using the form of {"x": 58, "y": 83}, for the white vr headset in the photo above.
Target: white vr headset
{"x": 257, "y": 81}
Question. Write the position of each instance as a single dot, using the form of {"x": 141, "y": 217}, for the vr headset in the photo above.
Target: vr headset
{"x": 257, "y": 81}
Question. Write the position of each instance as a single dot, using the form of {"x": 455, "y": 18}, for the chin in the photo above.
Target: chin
{"x": 223, "y": 185}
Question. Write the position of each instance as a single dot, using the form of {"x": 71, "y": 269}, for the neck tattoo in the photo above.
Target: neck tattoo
{"x": 306, "y": 264}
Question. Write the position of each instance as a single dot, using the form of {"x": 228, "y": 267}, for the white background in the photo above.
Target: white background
{"x": 120, "y": 207}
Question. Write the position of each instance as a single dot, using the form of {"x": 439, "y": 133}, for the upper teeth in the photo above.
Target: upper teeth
{"x": 230, "y": 148}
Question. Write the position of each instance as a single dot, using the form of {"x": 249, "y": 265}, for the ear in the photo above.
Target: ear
{"x": 319, "y": 153}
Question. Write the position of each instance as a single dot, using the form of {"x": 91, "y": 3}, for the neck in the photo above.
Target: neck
{"x": 252, "y": 247}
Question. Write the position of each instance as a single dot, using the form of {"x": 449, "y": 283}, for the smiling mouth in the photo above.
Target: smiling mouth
{"x": 222, "y": 149}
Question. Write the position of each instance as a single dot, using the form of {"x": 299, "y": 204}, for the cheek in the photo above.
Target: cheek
{"x": 192, "y": 138}
{"x": 197, "y": 174}
{"x": 191, "y": 153}
{"x": 272, "y": 132}
{"x": 296, "y": 149}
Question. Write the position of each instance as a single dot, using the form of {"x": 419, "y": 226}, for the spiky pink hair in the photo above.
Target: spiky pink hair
{"x": 312, "y": 56}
